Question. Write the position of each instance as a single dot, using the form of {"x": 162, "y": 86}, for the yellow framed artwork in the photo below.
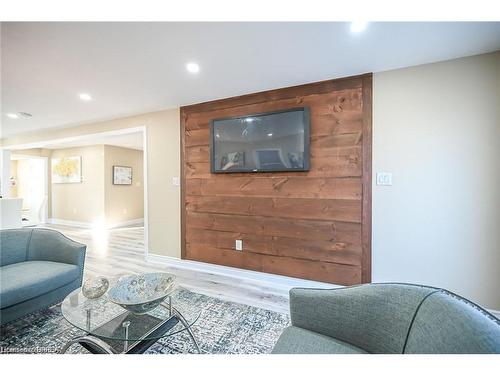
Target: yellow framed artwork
{"x": 67, "y": 170}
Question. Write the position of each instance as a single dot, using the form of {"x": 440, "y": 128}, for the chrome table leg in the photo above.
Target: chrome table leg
{"x": 184, "y": 322}
{"x": 126, "y": 343}
{"x": 174, "y": 312}
{"x": 96, "y": 344}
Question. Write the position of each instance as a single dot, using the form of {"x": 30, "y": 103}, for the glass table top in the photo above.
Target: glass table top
{"x": 102, "y": 318}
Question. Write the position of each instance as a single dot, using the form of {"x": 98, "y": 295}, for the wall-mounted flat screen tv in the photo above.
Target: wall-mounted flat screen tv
{"x": 266, "y": 142}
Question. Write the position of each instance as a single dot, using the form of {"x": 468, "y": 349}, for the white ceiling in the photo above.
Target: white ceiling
{"x": 131, "y": 68}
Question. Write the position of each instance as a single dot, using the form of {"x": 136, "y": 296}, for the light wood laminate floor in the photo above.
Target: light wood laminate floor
{"x": 119, "y": 251}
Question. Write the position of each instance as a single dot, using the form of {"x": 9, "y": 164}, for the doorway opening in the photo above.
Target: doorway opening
{"x": 29, "y": 182}
{"x": 105, "y": 191}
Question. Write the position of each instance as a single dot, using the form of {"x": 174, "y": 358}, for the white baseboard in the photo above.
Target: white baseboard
{"x": 266, "y": 279}
{"x": 88, "y": 225}
{"x": 126, "y": 223}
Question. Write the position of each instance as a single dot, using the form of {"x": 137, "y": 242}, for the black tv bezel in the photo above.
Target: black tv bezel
{"x": 307, "y": 140}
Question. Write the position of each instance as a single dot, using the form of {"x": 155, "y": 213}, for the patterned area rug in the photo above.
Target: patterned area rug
{"x": 222, "y": 328}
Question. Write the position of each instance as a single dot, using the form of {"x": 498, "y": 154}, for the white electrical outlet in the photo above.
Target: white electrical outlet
{"x": 176, "y": 181}
{"x": 384, "y": 179}
{"x": 239, "y": 245}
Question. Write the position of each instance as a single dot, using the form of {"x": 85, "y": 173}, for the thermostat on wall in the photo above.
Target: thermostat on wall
{"x": 384, "y": 178}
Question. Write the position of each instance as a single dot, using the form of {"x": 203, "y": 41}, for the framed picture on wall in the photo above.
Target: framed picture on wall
{"x": 67, "y": 170}
{"x": 122, "y": 175}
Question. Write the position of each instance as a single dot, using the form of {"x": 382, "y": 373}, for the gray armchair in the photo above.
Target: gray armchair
{"x": 38, "y": 268}
{"x": 386, "y": 318}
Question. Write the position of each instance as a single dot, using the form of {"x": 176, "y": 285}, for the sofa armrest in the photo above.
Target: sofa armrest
{"x": 318, "y": 310}
{"x": 50, "y": 245}
{"x": 374, "y": 317}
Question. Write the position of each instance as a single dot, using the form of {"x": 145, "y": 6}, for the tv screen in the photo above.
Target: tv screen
{"x": 267, "y": 142}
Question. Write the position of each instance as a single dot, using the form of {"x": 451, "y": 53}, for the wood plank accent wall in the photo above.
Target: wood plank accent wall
{"x": 314, "y": 225}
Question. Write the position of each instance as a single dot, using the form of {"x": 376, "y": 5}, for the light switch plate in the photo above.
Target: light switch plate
{"x": 238, "y": 245}
{"x": 176, "y": 181}
{"x": 384, "y": 179}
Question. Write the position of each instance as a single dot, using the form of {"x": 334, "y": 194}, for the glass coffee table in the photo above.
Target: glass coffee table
{"x": 110, "y": 329}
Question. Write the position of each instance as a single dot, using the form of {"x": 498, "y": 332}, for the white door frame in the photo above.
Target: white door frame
{"x": 46, "y": 188}
{"x": 59, "y": 141}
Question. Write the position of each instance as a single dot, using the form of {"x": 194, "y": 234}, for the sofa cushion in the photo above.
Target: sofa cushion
{"x": 14, "y": 245}
{"x": 447, "y": 324}
{"x": 295, "y": 340}
{"x": 22, "y": 281}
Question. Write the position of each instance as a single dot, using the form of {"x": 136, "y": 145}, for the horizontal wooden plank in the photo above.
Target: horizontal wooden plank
{"x": 225, "y": 240}
{"x": 197, "y": 137}
{"x": 323, "y": 139}
{"x": 336, "y": 102}
{"x": 335, "y": 162}
{"x": 324, "y": 120}
{"x": 324, "y": 87}
{"x": 199, "y": 153}
{"x": 200, "y": 120}
{"x": 297, "y": 208}
{"x": 328, "y": 251}
{"x": 335, "y": 140}
{"x": 347, "y": 145}
{"x": 272, "y": 226}
{"x": 340, "y": 274}
{"x": 345, "y": 155}
{"x": 290, "y": 187}
{"x": 334, "y": 123}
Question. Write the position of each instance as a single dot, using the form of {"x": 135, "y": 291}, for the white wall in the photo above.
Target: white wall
{"x": 163, "y": 163}
{"x": 5, "y": 173}
{"x": 83, "y": 201}
{"x": 436, "y": 127}
{"x": 123, "y": 203}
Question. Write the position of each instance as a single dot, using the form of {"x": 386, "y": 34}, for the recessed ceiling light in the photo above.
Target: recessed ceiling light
{"x": 357, "y": 26}
{"x": 85, "y": 97}
{"x": 269, "y": 134}
{"x": 13, "y": 115}
{"x": 192, "y": 67}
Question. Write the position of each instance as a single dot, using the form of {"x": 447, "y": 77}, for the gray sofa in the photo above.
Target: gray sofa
{"x": 38, "y": 267}
{"x": 386, "y": 318}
